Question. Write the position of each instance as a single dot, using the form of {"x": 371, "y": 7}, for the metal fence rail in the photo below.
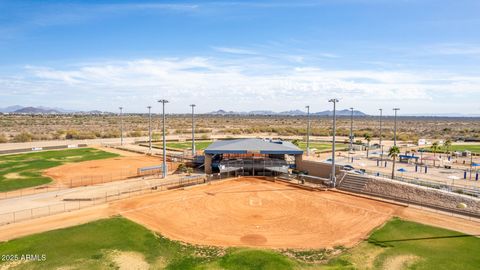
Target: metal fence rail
{"x": 71, "y": 205}
{"x": 449, "y": 186}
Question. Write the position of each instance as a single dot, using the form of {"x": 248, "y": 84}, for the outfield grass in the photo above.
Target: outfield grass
{"x": 25, "y": 170}
{"x": 475, "y": 148}
{"x": 413, "y": 246}
{"x": 321, "y": 146}
{"x": 199, "y": 145}
{"x": 90, "y": 246}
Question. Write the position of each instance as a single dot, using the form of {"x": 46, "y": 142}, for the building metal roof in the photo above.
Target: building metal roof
{"x": 260, "y": 146}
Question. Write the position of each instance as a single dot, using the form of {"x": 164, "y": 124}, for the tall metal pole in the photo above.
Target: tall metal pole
{"x": 164, "y": 164}
{"x": 395, "y": 127}
{"x": 193, "y": 129}
{"x": 121, "y": 125}
{"x": 380, "y": 137}
{"x": 332, "y": 176}
{"x": 308, "y": 129}
{"x": 351, "y": 133}
{"x": 149, "y": 128}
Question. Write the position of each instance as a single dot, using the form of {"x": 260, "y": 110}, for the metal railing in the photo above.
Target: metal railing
{"x": 447, "y": 185}
{"x": 76, "y": 204}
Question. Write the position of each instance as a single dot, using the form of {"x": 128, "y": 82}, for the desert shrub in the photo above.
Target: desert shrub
{"x": 23, "y": 137}
{"x": 136, "y": 133}
{"x": 3, "y": 138}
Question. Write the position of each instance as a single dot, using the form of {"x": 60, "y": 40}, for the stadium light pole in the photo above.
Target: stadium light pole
{"x": 308, "y": 129}
{"x": 164, "y": 164}
{"x": 332, "y": 177}
{"x": 121, "y": 125}
{"x": 395, "y": 127}
{"x": 149, "y": 128}
{"x": 193, "y": 129}
{"x": 380, "y": 139}
{"x": 351, "y": 133}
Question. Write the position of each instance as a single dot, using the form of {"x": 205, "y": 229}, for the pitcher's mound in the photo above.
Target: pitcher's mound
{"x": 260, "y": 213}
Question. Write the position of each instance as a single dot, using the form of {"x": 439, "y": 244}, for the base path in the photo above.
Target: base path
{"x": 258, "y": 213}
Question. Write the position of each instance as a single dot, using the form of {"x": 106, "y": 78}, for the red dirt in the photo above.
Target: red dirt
{"x": 101, "y": 171}
{"x": 259, "y": 213}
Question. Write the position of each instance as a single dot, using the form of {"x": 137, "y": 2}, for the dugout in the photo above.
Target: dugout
{"x": 251, "y": 157}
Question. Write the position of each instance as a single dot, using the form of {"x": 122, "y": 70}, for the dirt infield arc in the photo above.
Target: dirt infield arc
{"x": 259, "y": 213}
{"x": 101, "y": 171}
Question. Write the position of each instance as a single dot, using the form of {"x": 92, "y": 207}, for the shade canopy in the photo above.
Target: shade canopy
{"x": 257, "y": 146}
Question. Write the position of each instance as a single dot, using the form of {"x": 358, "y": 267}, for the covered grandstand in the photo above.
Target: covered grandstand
{"x": 251, "y": 157}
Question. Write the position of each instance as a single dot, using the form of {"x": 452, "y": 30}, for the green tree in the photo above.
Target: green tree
{"x": 368, "y": 138}
{"x": 393, "y": 152}
{"x": 435, "y": 147}
{"x": 296, "y": 142}
{"x": 448, "y": 145}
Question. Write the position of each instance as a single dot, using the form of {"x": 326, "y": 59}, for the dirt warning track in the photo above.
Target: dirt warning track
{"x": 259, "y": 213}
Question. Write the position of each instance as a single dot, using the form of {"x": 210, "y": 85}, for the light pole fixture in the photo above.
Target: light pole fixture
{"x": 334, "y": 121}
{"x": 193, "y": 129}
{"x": 308, "y": 129}
{"x": 149, "y": 128}
{"x": 380, "y": 137}
{"x": 121, "y": 125}
{"x": 164, "y": 164}
{"x": 351, "y": 133}
{"x": 395, "y": 127}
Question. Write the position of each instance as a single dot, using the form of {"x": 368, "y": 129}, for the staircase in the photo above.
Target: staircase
{"x": 353, "y": 183}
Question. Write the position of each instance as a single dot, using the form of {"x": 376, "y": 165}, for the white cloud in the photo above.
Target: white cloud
{"x": 250, "y": 82}
{"x": 234, "y": 50}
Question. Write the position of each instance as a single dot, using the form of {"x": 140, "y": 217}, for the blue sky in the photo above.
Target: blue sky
{"x": 421, "y": 56}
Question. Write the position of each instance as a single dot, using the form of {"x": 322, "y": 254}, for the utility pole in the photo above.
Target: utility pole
{"x": 333, "y": 177}
{"x": 193, "y": 129}
{"x": 121, "y": 125}
{"x": 395, "y": 127}
{"x": 380, "y": 137}
{"x": 149, "y": 128}
{"x": 308, "y": 129}
{"x": 164, "y": 164}
{"x": 350, "y": 150}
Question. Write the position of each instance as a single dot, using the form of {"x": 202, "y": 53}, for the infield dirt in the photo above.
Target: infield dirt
{"x": 259, "y": 213}
{"x": 101, "y": 171}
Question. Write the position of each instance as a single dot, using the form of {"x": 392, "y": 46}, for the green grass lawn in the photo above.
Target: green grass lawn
{"x": 25, "y": 170}
{"x": 322, "y": 146}
{"x": 475, "y": 148}
{"x": 90, "y": 246}
{"x": 199, "y": 145}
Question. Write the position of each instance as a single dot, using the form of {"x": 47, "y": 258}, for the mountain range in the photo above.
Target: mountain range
{"x": 290, "y": 113}
{"x": 43, "y": 110}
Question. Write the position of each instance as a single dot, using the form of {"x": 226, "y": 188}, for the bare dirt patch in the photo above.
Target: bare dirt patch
{"x": 400, "y": 262}
{"x": 258, "y": 213}
{"x": 13, "y": 176}
{"x": 129, "y": 260}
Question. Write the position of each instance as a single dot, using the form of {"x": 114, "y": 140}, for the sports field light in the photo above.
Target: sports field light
{"x": 350, "y": 150}
{"x": 395, "y": 127}
{"x": 149, "y": 128}
{"x": 164, "y": 164}
{"x": 121, "y": 125}
{"x": 380, "y": 137}
{"x": 193, "y": 129}
{"x": 334, "y": 121}
{"x": 308, "y": 129}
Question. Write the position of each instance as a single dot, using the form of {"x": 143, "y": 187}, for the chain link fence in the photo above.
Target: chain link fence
{"x": 108, "y": 196}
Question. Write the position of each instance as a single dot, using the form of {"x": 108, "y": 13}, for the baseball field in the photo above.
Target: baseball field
{"x": 26, "y": 170}
{"x": 244, "y": 223}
